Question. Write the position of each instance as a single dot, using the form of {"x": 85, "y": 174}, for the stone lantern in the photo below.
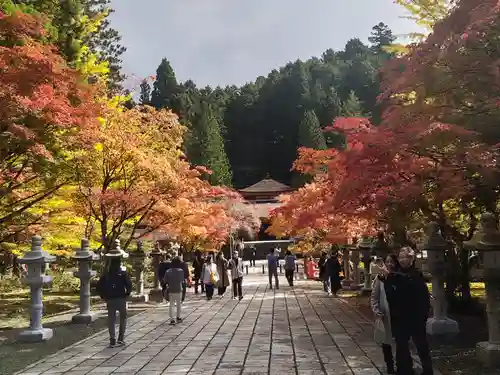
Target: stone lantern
{"x": 347, "y": 267}
{"x": 84, "y": 256}
{"x": 356, "y": 279}
{"x": 435, "y": 246}
{"x": 364, "y": 248}
{"x": 138, "y": 258}
{"x": 36, "y": 260}
{"x": 156, "y": 292}
{"x": 489, "y": 245}
{"x": 380, "y": 247}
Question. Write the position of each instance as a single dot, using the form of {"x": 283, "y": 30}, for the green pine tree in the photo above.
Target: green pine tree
{"x": 165, "y": 88}
{"x": 352, "y": 106}
{"x": 145, "y": 95}
{"x": 381, "y": 37}
{"x": 310, "y": 134}
{"x": 205, "y": 146}
{"x": 71, "y": 29}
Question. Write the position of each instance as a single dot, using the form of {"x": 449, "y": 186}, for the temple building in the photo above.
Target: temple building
{"x": 263, "y": 196}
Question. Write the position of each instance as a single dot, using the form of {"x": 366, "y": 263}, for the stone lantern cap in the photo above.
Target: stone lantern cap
{"x": 156, "y": 251}
{"x": 380, "y": 243}
{"x": 490, "y": 236}
{"x": 116, "y": 252}
{"x": 36, "y": 254}
{"x": 84, "y": 252}
{"x": 139, "y": 252}
{"x": 365, "y": 243}
{"x": 434, "y": 240}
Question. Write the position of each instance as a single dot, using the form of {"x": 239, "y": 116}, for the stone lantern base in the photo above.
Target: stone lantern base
{"x": 140, "y": 297}
{"x": 355, "y": 286}
{"x": 346, "y": 283}
{"x": 366, "y": 291}
{"x": 156, "y": 295}
{"x": 438, "y": 327}
{"x": 35, "y": 335}
{"x": 83, "y": 318}
{"x": 488, "y": 354}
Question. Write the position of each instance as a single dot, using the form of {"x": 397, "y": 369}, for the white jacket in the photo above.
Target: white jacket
{"x": 205, "y": 273}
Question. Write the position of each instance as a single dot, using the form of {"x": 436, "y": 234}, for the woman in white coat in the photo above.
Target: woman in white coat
{"x": 380, "y": 307}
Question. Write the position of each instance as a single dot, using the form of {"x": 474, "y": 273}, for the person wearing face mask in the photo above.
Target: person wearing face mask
{"x": 409, "y": 304}
{"x": 236, "y": 267}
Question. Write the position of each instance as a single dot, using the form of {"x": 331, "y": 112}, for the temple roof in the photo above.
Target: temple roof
{"x": 267, "y": 185}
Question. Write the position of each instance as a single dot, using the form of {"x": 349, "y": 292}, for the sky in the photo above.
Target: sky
{"x": 224, "y": 42}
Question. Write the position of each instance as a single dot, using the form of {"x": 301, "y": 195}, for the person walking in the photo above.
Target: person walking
{"x": 198, "y": 263}
{"x": 209, "y": 277}
{"x": 290, "y": 260}
{"x": 236, "y": 267}
{"x": 114, "y": 286}
{"x": 380, "y": 308}
{"x": 185, "y": 269}
{"x": 162, "y": 269}
{"x": 409, "y": 304}
{"x": 332, "y": 274}
{"x": 175, "y": 279}
{"x": 321, "y": 271}
{"x": 222, "y": 270}
{"x": 253, "y": 257}
{"x": 272, "y": 268}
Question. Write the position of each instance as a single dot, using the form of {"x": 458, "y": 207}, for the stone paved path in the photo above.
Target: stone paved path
{"x": 297, "y": 331}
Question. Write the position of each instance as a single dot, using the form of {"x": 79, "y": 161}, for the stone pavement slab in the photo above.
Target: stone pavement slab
{"x": 296, "y": 330}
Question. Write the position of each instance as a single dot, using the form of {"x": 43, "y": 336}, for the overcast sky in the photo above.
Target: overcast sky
{"x": 219, "y": 42}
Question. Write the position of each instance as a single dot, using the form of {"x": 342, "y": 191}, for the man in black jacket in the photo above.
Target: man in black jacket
{"x": 409, "y": 304}
{"x": 114, "y": 287}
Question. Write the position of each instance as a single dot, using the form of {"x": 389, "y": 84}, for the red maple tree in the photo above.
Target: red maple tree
{"x": 47, "y": 113}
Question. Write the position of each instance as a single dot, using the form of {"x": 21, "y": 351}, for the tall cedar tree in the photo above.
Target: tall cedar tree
{"x": 106, "y": 41}
{"x": 381, "y": 37}
{"x": 206, "y": 146}
{"x": 310, "y": 136}
{"x": 145, "y": 95}
{"x": 352, "y": 107}
{"x": 166, "y": 91}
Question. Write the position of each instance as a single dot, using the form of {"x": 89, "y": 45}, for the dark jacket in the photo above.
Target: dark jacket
{"x": 162, "y": 269}
{"x": 408, "y": 298}
{"x": 321, "y": 266}
{"x": 114, "y": 285}
{"x": 332, "y": 267}
{"x": 197, "y": 267}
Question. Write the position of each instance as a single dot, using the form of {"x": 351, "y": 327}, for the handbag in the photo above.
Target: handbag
{"x": 213, "y": 277}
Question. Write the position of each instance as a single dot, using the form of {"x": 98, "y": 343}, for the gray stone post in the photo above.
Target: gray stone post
{"x": 84, "y": 257}
{"x": 36, "y": 259}
{"x": 155, "y": 293}
{"x": 435, "y": 245}
{"x": 346, "y": 283}
{"x": 356, "y": 278}
{"x": 488, "y": 352}
{"x": 365, "y": 246}
{"x": 138, "y": 257}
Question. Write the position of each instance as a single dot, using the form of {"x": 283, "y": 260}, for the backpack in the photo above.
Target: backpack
{"x": 112, "y": 286}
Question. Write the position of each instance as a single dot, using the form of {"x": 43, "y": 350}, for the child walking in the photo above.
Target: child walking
{"x": 174, "y": 280}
